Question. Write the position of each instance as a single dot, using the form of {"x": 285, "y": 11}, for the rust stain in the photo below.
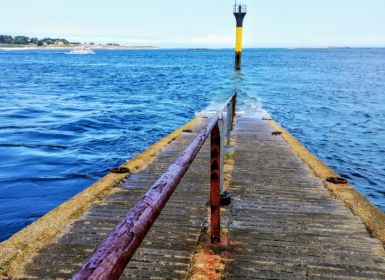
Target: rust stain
{"x": 209, "y": 260}
{"x": 208, "y": 266}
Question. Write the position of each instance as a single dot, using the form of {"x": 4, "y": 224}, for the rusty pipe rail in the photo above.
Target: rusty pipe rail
{"x": 226, "y": 126}
{"x": 112, "y": 256}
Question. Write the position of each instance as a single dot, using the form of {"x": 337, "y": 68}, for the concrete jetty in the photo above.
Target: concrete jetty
{"x": 284, "y": 222}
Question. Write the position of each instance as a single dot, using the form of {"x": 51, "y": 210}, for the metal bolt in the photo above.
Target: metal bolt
{"x": 337, "y": 180}
{"x": 120, "y": 170}
{"x": 276, "y": 133}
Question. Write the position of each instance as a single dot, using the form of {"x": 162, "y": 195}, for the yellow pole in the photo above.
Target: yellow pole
{"x": 239, "y": 13}
{"x": 238, "y": 43}
{"x": 238, "y": 48}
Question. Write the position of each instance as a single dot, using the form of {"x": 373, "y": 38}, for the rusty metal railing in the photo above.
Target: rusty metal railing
{"x": 226, "y": 120}
{"x": 112, "y": 256}
{"x": 230, "y": 115}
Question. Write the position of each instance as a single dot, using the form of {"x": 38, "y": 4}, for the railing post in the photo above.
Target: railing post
{"x": 231, "y": 115}
{"x": 215, "y": 200}
{"x": 234, "y": 104}
{"x": 228, "y": 125}
{"x": 221, "y": 124}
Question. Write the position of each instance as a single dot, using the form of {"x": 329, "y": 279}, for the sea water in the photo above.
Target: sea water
{"x": 65, "y": 120}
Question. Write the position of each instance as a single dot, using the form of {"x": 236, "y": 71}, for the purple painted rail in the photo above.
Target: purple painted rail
{"x": 113, "y": 255}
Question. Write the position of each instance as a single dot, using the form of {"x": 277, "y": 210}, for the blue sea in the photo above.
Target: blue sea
{"x": 66, "y": 120}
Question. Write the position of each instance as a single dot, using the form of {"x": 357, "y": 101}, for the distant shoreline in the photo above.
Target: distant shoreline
{"x": 118, "y": 48}
{"x": 70, "y": 47}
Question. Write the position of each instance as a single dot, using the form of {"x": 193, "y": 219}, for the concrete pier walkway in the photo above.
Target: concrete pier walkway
{"x": 285, "y": 224}
{"x": 282, "y": 223}
{"x": 167, "y": 251}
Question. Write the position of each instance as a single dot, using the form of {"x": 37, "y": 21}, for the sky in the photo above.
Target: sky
{"x": 198, "y": 23}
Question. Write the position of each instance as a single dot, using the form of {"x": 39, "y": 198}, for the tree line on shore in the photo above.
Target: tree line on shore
{"x": 24, "y": 40}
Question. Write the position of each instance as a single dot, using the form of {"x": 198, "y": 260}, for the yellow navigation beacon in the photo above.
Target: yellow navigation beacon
{"x": 239, "y": 13}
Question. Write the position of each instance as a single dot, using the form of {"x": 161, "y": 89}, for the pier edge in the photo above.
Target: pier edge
{"x": 372, "y": 217}
{"x": 23, "y": 244}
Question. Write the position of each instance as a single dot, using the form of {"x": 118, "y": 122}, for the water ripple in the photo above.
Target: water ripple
{"x": 65, "y": 120}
